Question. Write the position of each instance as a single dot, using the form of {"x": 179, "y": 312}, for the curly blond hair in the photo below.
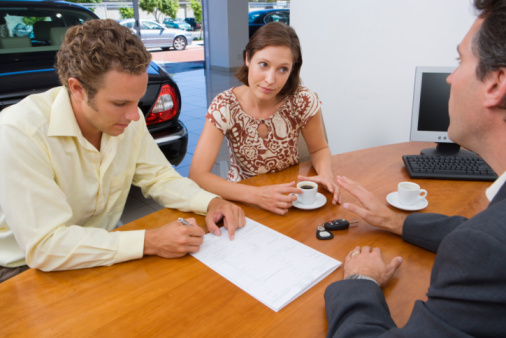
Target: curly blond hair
{"x": 90, "y": 50}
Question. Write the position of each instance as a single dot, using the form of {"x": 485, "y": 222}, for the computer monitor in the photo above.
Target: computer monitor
{"x": 430, "y": 119}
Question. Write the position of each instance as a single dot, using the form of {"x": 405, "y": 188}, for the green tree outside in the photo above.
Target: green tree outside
{"x": 30, "y": 21}
{"x": 126, "y": 12}
{"x": 196, "y": 6}
{"x": 160, "y": 8}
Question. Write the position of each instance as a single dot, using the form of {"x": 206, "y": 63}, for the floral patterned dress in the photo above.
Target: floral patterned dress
{"x": 250, "y": 154}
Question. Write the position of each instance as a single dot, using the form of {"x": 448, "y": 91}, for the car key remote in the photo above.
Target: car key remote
{"x": 323, "y": 234}
{"x": 337, "y": 224}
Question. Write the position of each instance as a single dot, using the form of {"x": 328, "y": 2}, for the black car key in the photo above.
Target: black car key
{"x": 337, "y": 224}
{"x": 323, "y": 234}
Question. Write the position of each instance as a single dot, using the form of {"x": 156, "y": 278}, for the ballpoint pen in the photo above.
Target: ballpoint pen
{"x": 183, "y": 221}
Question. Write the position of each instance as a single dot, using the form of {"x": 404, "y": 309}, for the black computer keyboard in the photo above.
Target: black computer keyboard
{"x": 448, "y": 168}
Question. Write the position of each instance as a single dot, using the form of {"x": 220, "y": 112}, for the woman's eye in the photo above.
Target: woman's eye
{"x": 284, "y": 70}
{"x": 263, "y": 64}
{"x": 119, "y": 104}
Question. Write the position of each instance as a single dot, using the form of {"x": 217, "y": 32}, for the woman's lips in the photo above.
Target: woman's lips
{"x": 267, "y": 90}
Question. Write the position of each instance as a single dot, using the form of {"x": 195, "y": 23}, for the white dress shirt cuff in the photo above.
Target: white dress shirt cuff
{"x": 131, "y": 245}
{"x": 200, "y": 204}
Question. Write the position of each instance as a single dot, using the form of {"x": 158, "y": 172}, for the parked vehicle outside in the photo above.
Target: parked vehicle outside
{"x": 27, "y": 67}
{"x": 192, "y": 22}
{"x": 177, "y": 24}
{"x": 257, "y": 19}
{"x": 154, "y": 35}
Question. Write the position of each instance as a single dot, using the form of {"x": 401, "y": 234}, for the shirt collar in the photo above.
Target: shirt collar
{"x": 495, "y": 187}
{"x": 63, "y": 121}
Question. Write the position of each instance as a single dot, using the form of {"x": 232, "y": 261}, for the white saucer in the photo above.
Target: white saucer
{"x": 319, "y": 202}
{"x": 393, "y": 200}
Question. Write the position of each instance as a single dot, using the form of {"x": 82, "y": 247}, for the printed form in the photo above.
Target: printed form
{"x": 271, "y": 267}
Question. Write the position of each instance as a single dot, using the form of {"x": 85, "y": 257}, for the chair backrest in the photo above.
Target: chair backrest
{"x": 56, "y": 35}
{"x": 15, "y": 42}
{"x": 304, "y": 154}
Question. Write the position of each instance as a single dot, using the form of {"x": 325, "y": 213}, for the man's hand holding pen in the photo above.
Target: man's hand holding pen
{"x": 183, "y": 236}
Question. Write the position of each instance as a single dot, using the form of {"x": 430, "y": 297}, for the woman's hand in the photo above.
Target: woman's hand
{"x": 276, "y": 198}
{"x": 326, "y": 182}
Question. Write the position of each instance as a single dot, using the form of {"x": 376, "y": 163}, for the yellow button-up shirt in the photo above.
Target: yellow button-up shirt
{"x": 60, "y": 196}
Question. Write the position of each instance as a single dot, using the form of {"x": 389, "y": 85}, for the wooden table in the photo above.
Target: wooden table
{"x": 184, "y": 298}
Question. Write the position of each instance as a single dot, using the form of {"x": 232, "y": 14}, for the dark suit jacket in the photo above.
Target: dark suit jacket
{"x": 467, "y": 293}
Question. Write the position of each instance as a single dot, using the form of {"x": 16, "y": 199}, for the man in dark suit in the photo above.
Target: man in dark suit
{"x": 467, "y": 293}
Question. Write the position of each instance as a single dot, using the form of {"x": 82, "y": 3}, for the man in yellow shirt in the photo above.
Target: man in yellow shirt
{"x": 69, "y": 156}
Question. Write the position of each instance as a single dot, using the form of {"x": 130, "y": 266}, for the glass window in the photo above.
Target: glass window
{"x": 277, "y": 17}
{"x": 32, "y": 29}
{"x": 150, "y": 25}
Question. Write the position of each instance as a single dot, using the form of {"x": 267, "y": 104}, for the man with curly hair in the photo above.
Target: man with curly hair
{"x": 70, "y": 155}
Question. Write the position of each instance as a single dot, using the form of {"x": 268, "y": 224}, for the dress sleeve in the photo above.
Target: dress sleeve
{"x": 219, "y": 111}
{"x": 306, "y": 105}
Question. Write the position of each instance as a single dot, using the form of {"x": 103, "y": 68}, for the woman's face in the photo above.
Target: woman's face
{"x": 268, "y": 71}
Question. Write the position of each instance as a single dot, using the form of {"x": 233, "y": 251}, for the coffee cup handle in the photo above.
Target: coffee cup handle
{"x": 423, "y": 193}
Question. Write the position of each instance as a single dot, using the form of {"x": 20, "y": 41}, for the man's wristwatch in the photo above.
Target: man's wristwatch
{"x": 357, "y": 276}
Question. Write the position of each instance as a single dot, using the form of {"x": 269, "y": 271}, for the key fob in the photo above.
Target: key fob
{"x": 323, "y": 234}
{"x": 337, "y": 224}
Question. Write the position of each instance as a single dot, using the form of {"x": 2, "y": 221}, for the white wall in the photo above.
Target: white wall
{"x": 360, "y": 57}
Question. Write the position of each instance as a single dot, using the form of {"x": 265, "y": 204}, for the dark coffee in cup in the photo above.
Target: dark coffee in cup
{"x": 309, "y": 191}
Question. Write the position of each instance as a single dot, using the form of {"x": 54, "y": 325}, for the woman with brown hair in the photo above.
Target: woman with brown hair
{"x": 262, "y": 120}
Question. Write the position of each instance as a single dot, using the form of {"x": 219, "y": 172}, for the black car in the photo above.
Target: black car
{"x": 257, "y": 19}
{"x": 192, "y": 22}
{"x": 27, "y": 67}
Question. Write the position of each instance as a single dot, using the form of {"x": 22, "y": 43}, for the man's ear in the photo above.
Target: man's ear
{"x": 495, "y": 89}
{"x": 76, "y": 88}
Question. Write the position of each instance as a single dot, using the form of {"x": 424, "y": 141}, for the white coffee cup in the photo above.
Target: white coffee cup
{"x": 409, "y": 193}
{"x": 309, "y": 191}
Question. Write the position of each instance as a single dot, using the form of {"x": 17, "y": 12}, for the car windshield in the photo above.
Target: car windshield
{"x": 29, "y": 30}
{"x": 276, "y": 17}
{"x": 252, "y": 17}
{"x": 151, "y": 25}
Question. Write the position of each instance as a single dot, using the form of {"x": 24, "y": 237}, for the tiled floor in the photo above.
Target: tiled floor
{"x": 198, "y": 87}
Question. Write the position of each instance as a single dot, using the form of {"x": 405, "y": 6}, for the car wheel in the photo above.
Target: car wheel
{"x": 179, "y": 43}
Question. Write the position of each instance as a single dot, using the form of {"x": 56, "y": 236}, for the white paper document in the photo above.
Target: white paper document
{"x": 273, "y": 268}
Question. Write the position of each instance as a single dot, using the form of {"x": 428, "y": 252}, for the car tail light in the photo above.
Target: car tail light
{"x": 165, "y": 107}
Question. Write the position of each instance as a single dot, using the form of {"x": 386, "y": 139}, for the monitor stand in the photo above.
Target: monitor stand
{"x": 448, "y": 149}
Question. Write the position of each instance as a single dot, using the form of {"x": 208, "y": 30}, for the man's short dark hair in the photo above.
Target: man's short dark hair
{"x": 489, "y": 43}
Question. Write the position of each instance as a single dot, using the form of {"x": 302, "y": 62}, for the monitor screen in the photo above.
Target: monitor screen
{"x": 430, "y": 119}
